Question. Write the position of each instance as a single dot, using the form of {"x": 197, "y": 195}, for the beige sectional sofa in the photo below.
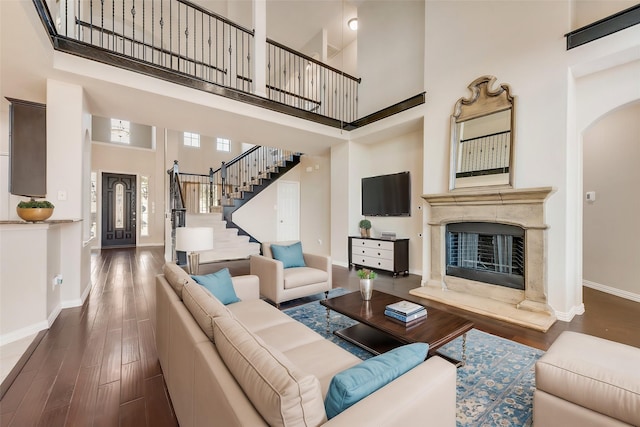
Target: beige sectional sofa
{"x": 249, "y": 364}
{"x": 586, "y": 381}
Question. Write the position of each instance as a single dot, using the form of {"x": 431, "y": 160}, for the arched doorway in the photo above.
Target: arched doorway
{"x": 611, "y": 177}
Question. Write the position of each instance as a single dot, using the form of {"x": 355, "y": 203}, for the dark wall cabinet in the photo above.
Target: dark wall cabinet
{"x": 28, "y": 152}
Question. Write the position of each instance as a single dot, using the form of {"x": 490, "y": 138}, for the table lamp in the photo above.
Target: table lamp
{"x": 191, "y": 240}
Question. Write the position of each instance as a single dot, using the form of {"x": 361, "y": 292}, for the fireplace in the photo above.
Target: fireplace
{"x": 483, "y": 236}
{"x": 486, "y": 252}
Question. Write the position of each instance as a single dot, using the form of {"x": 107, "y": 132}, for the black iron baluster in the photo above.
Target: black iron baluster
{"x": 144, "y": 49}
{"x": 209, "y": 68}
{"x": 123, "y": 26}
{"x": 179, "y": 43}
{"x": 224, "y": 56}
{"x": 153, "y": 31}
{"x": 113, "y": 25}
{"x": 187, "y": 62}
{"x": 170, "y": 35}
{"x": 133, "y": 28}
{"x": 161, "y": 59}
{"x": 90, "y": 21}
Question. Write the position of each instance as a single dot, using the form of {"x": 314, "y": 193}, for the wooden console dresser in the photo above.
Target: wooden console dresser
{"x": 380, "y": 254}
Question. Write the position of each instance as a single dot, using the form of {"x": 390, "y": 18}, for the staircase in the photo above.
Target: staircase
{"x": 227, "y": 243}
{"x": 213, "y": 201}
{"x": 281, "y": 162}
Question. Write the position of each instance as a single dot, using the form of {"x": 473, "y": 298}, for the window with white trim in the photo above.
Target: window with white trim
{"x": 94, "y": 203}
{"x": 144, "y": 205}
{"x": 223, "y": 144}
{"x": 192, "y": 139}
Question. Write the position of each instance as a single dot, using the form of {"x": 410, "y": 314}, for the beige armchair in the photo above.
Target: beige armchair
{"x": 279, "y": 284}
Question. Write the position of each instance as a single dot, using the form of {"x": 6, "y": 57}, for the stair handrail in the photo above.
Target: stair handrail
{"x": 310, "y": 59}
{"x": 241, "y": 172}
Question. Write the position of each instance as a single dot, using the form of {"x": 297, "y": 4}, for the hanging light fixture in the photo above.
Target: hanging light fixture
{"x": 353, "y": 24}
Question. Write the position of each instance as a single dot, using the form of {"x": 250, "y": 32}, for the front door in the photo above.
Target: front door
{"x": 118, "y": 210}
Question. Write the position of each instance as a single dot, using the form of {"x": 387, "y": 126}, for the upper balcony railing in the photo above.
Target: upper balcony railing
{"x": 303, "y": 82}
{"x": 185, "y": 38}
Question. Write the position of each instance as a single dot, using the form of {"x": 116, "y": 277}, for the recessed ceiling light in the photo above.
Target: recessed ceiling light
{"x": 353, "y": 24}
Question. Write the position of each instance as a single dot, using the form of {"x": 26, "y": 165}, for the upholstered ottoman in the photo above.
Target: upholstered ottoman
{"x": 587, "y": 381}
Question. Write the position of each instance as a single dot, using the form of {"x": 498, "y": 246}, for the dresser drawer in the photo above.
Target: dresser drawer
{"x": 375, "y": 263}
{"x": 379, "y": 254}
{"x": 373, "y": 244}
{"x": 370, "y": 252}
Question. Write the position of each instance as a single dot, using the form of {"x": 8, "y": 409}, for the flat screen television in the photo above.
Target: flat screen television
{"x": 387, "y": 195}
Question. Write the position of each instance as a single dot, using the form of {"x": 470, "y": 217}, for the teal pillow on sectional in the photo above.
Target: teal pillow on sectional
{"x": 354, "y": 384}
{"x": 220, "y": 285}
{"x": 291, "y": 255}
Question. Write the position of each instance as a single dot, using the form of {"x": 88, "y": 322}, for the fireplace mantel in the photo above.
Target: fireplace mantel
{"x": 500, "y": 196}
{"x": 521, "y": 207}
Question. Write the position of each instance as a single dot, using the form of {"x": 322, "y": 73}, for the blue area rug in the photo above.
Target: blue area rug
{"x": 494, "y": 388}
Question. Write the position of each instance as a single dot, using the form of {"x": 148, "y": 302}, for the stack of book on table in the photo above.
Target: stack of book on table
{"x": 405, "y": 311}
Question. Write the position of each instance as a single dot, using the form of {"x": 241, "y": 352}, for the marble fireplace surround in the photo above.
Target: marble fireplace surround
{"x": 520, "y": 207}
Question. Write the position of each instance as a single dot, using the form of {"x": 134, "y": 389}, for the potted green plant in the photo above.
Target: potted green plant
{"x": 35, "y": 210}
{"x": 365, "y": 228}
{"x": 366, "y": 282}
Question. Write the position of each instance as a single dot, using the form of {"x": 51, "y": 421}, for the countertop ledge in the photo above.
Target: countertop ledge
{"x": 49, "y": 221}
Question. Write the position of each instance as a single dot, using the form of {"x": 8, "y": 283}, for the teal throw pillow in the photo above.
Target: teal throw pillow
{"x": 220, "y": 285}
{"x": 354, "y": 384}
{"x": 291, "y": 255}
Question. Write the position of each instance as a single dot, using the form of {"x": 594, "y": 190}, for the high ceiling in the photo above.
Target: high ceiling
{"x": 295, "y": 22}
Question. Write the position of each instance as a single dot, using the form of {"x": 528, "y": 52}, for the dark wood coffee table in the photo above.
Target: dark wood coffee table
{"x": 378, "y": 333}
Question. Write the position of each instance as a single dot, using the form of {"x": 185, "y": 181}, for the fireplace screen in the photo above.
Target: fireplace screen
{"x": 486, "y": 252}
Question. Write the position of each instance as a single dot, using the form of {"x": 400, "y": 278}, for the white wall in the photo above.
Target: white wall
{"x": 586, "y": 12}
{"x": 199, "y": 160}
{"x": 352, "y": 161}
{"x": 67, "y": 125}
{"x": 403, "y": 153}
{"x": 347, "y": 59}
{"x": 531, "y": 60}
{"x": 390, "y": 51}
{"x": 550, "y": 108}
{"x": 43, "y": 251}
{"x": 611, "y": 229}
{"x": 114, "y": 158}
{"x": 258, "y": 216}
{"x": 315, "y": 204}
{"x": 24, "y": 303}
{"x": 341, "y": 214}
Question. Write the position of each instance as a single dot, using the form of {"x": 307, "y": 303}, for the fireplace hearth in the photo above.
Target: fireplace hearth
{"x": 482, "y": 234}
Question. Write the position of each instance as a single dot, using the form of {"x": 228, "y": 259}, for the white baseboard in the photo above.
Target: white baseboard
{"x": 54, "y": 315}
{"x": 567, "y": 316}
{"x": 341, "y": 264}
{"x": 78, "y": 301}
{"x": 613, "y": 291}
{"x": 85, "y": 293}
{"x": 23, "y": 332}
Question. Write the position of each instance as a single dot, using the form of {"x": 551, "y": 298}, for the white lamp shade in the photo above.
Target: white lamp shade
{"x": 191, "y": 239}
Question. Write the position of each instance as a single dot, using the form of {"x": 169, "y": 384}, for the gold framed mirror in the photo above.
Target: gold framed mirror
{"x": 482, "y": 129}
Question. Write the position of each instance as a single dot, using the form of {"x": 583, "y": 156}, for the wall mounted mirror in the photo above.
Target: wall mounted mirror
{"x": 482, "y": 129}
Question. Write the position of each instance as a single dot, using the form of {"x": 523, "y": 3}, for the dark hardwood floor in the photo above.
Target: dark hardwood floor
{"x": 97, "y": 365}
